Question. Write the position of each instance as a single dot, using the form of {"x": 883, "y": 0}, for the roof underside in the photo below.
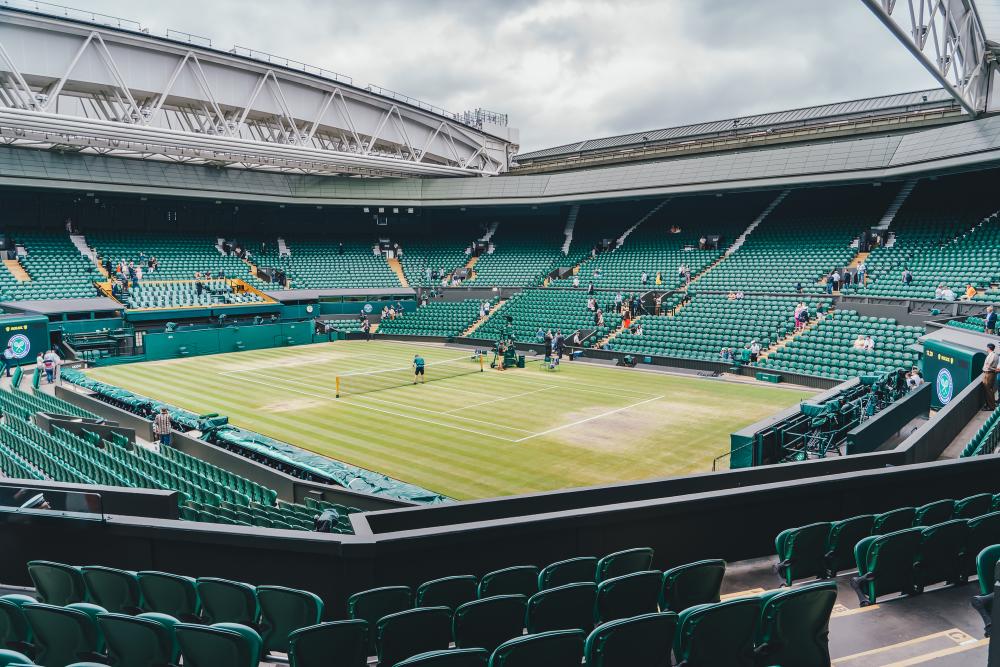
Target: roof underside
{"x": 989, "y": 16}
{"x": 887, "y": 105}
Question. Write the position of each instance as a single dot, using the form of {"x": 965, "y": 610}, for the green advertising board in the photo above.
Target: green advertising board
{"x": 949, "y": 367}
{"x": 26, "y": 335}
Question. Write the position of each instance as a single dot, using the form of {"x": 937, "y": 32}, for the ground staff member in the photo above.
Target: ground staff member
{"x": 990, "y": 377}
{"x": 418, "y": 368}
{"x": 8, "y": 359}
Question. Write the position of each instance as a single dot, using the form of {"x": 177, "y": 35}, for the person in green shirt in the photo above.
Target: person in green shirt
{"x": 418, "y": 368}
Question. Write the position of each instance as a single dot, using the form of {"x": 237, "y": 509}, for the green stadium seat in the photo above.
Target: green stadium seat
{"x": 115, "y": 590}
{"x": 561, "y": 648}
{"x": 139, "y": 641}
{"x": 567, "y": 607}
{"x": 718, "y": 634}
{"x": 644, "y": 639}
{"x": 373, "y": 604}
{"x": 623, "y": 562}
{"x": 489, "y": 622}
{"x": 57, "y": 584}
{"x": 973, "y": 506}
{"x": 939, "y": 557}
{"x": 65, "y": 634}
{"x": 284, "y": 610}
{"x": 795, "y": 625}
{"x": 569, "y": 571}
{"x": 15, "y": 632}
{"x": 885, "y": 564}
{"x": 318, "y": 645}
{"x": 692, "y": 584}
{"x": 893, "y": 520}
{"x": 219, "y": 645}
{"x": 984, "y": 531}
{"x": 9, "y": 658}
{"x": 408, "y": 633}
{"x": 802, "y": 552}
{"x": 459, "y": 657}
{"x": 520, "y": 579}
{"x": 170, "y": 594}
{"x": 225, "y": 601}
{"x": 987, "y": 571}
{"x": 447, "y": 592}
{"x": 628, "y": 595}
{"x": 933, "y": 513}
{"x": 841, "y": 540}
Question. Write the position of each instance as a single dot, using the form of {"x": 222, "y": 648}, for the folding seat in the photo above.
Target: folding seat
{"x": 933, "y": 513}
{"x": 893, "y": 521}
{"x": 641, "y": 640}
{"x": 802, "y": 552}
{"x": 57, "y": 584}
{"x": 65, "y": 634}
{"x": 560, "y": 648}
{"x": 983, "y": 531}
{"x": 13, "y": 658}
{"x": 335, "y": 644}
{"x": 988, "y": 573}
{"x": 225, "y": 601}
{"x": 447, "y": 592}
{"x": 885, "y": 564}
{"x": 939, "y": 557}
{"x": 841, "y": 540}
{"x": 284, "y": 610}
{"x": 520, "y": 579}
{"x": 408, "y": 633}
{"x": 115, "y": 590}
{"x": 15, "y": 632}
{"x": 219, "y": 645}
{"x": 373, "y": 604}
{"x": 973, "y": 506}
{"x": 562, "y": 608}
{"x": 623, "y": 562}
{"x": 570, "y": 571}
{"x": 692, "y": 584}
{"x": 794, "y": 625}
{"x": 467, "y": 657}
{"x": 717, "y": 634}
{"x": 488, "y": 622}
{"x": 628, "y": 595}
{"x": 139, "y": 641}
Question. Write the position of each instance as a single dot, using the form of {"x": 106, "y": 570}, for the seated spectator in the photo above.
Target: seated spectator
{"x": 970, "y": 291}
{"x": 939, "y": 292}
{"x": 638, "y": 329}
{"x": 731, "y": 296}
{"x": 907, "y": 276}
{"x": 859, "y": 342}
{"x": 644, "y": 278}
{"x": 869, "y": 344}
{"x": 576, "y": 281}
{"x": 948, "y": 294}
{"x": 739, "y": 294}
{"x": 726, "y": 355}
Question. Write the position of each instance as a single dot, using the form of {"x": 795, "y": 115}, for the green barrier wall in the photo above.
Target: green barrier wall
{"x": 86, "y": 326}
{"x": 228, "y": 339}
{"x": 371, "y": 307}
{"x": 949, "y": 368}
{"x": 28, "y": 336}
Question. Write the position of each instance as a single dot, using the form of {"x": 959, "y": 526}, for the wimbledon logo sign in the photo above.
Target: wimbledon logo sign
{"x": 944, "y": 385}
{"x": 20, "y": 346}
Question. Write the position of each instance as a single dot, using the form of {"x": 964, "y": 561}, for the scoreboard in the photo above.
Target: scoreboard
{"x": 26, "y": 335}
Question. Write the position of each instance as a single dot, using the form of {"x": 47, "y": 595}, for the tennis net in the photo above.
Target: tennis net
{"x": 364, "y": 382}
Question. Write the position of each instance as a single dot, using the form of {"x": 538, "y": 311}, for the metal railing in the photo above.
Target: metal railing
{"x": 290, "y": 63}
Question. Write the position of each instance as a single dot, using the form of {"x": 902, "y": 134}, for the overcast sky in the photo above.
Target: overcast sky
{"x": 567, "y": 70}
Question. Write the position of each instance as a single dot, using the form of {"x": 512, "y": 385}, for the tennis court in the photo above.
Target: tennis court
{"x": 464, "y": 433}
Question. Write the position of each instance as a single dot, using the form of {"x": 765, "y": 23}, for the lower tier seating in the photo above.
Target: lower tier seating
{"x": 55, "y": 266}
{"x": 548, "y": 309}
{"x": 186, "y": 294}
{"x": 437, "y": 318}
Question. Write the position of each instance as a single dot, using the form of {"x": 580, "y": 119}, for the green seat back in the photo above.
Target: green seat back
{"x": 561, "y": 648}
{"x": 115, "y": 590}
{"x": 984, "y": 531}
{"x": 225, "y": 601}
{"x": 447, "y": 592}
{"x": 57, "y": 584}
{"x": 933, "y": 513}
{"x": 314, "y": 646}
{"x": 692, "y": 584}
{"x": 893, "y": 521}
{"x": 885, "y": 564}
{"x": 15, "y": 632}
{"x": 794, "y": 625}
{"x": 460, "y": 657}
{"x": 489, "y": 622}
{"x": 133, "y": 641}
{"x": 8, "y": 657}
{"x": 570, "y": 571}
{"x": 371, "y": 605}
{"x": 283, "y": 610}
{"x": 973, "y": 506}
{"x": 842, "y": 538}
{"x": 718, "y": 634}
{"x": 170, "y": 594}
{"x": 568, "y": 607}
{"x": 939, "y": 557}
{"x": 408, "y": 633}
{"x": 63, "y": 634}
{"x": 219, "y": 645}
{"x": 623, "y": 562}
{"x": 802, "y": 551}
{"x": 641, "y": 640}
{"x": 521, "y": 579}
{"x": 628, "y": 595}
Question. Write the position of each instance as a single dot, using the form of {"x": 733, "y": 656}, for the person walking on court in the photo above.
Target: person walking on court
{"x": 162, "y": 427}
{"x": 990, "y": 377}
{"x": 990, "y": 321}
{"x": 418, "y": 368}
{"x": 8, "y": 359}
{"x": 366, "y": 328}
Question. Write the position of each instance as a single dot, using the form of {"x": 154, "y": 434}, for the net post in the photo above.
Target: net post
{"x": 337, "y": 383}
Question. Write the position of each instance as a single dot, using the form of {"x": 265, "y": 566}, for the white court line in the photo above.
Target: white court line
{"x": 583, "y": 421}
{"x": 388, "y": 412}
{"x": 497, "y": 400}
{"x": 397, "y": 404}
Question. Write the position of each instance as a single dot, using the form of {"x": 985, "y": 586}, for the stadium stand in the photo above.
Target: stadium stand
{"x": 54, "y": 265}
{"x": 523, "y": 252}
{"x": 178, "y": 258}
{"x": 437, "y": 318}
{"x": 433, "y": 247}
{"x": 832, "y": 348}
{"x": 549, "y": 309}
{"x": 318, "y": 263}
{"x": 156, "y": 294}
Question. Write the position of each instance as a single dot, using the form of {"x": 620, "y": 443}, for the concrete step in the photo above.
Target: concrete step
{"x": 397, "y": 268}
{"x": 16, "y": 270}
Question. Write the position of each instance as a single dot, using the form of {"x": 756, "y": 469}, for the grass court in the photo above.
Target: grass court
{"x": 476, "y": 435}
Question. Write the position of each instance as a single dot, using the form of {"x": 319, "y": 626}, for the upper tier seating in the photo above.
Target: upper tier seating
{"x": 524, "y": 252}
{"x": 547, "y": 309}
{"x": 802, "y": 240}
{"x": 710, "y": 322}
{"x": 55, "y": 266}
{"x": 829, "y": 348}
{"x": 433, "y": 246}
{"x": 437, "y": 318}
{"x": 317, "y": 263}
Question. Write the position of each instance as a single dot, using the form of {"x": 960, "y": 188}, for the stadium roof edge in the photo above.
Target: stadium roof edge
{"x": 880, "y": 105}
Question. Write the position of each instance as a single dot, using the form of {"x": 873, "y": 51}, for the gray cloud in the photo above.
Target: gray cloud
{"x": 566, "y": 70}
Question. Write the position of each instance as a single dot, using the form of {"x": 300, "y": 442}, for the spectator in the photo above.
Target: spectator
{"x": 829, "y": 284}
{"x": 575, "y": 341}
{"x": 51, "y": 361}
{"x": 340, "y": 248}
{"x": 726, "y": 355}
{"x": 907, "y": 276}
{"x": 939, "y": 292}
{"x": 558, "y": 343}
{"x": 484, "y": 309}
{"x": 798, "y": 287}
{"x": 914, "y": 379}
{"x": 162, "y": 427}
{"x": 590, "y": 288}
{"x": 8, "y": 359}
{"x": 659, "y": 278}
{"x": 859, "y": 277}
{"x": 990, "y": 321}
{"x": 990, "y": 377}
{"x": 638, "y": 328}
{"x": 591, "y": 304}
{"x": 540, "y": 335}
{"x": 40, "y": 362}
{"x": 970, "y": 292}
{"x": 859, "y": 342}
{"x": 869, "y": 344}
{"x": 644, "y": 278}
{"x": 576, "y": 281}
{"x": 618, "y": 301}
{"x": 948, "y": 294}
{"x": 366, "y": 329}
{"x": 599, "y": 318}
{"x": 754, "y": 348}
{"x": 548, "y": 343}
